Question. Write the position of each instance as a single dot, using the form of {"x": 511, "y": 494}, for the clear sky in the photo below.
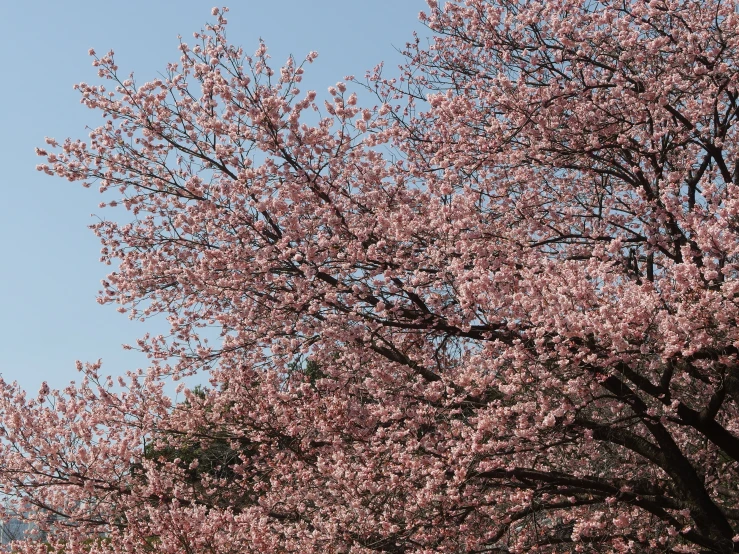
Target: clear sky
{"x": 49, "y": 270}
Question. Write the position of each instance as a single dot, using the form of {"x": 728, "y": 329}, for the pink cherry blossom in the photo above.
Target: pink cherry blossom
{"x": 494, "y": 312}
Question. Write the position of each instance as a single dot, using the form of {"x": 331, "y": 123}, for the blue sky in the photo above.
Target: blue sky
{"x": 49, "y": 270}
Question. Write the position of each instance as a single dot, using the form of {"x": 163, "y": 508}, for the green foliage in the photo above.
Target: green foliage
{"x": 307, "y": 368}
{"x": 215, "y": 457}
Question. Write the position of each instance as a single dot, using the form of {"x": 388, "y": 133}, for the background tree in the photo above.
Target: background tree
{"x": 517, "y": 275}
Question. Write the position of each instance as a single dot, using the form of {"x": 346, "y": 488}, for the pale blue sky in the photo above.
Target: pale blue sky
{"x": 49, "y": 273}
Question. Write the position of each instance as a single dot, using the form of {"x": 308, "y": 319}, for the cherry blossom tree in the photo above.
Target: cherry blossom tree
{"x": 496, "y": 312}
